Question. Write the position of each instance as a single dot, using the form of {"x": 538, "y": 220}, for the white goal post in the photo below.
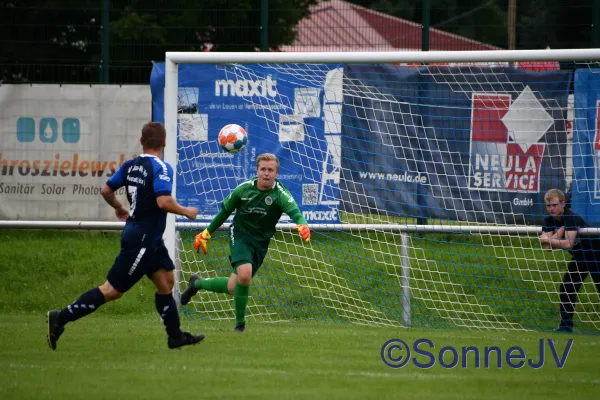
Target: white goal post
{"x": 414, "y": 102}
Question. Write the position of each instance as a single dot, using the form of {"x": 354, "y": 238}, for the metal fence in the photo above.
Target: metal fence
{"x": 116, "y": 41}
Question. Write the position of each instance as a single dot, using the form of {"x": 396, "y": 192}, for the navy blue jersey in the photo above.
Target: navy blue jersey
{"x": 146, "y": 177}
{"x": 586, "y": 248}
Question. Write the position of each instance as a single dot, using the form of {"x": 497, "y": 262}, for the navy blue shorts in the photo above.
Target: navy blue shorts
{"x": 134, "y": 262}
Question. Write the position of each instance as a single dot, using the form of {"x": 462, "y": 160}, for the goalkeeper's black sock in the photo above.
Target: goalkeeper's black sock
{"x": 167, "y": 308}
{"x": 240, "y": 299}
{"x": 86, "y": 304}
{"x": 217, "y": 285}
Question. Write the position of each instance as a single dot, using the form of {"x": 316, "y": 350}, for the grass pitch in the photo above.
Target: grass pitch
{"x": 121, "y": 351}
{"x": 105, "y": 356}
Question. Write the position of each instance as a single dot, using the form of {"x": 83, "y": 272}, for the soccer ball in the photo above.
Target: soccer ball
{"x": 233, "y": 138}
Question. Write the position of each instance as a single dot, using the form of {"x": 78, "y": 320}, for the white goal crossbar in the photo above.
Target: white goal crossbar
{"x": 173, "y": 59}
{"x": 460, "y": 58}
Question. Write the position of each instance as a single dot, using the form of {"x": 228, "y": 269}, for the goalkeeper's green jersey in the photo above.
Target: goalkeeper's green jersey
{"x": 258, "y": 211}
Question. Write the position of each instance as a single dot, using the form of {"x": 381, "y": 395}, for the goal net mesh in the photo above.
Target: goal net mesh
{"x": 368, "y": 149}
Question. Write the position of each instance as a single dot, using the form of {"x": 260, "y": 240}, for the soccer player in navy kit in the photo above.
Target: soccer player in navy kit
{"x": 148, "y": 181}
{"x": 560, "y": 231}
{"x": 259, "y": 202}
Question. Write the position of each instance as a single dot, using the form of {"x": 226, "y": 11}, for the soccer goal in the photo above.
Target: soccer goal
{"x": 422, "y": 176}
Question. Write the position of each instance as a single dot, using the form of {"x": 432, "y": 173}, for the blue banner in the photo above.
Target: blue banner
{"x": 586, "y": 146}
{"x": 479, "y": 144}
{"x": 282, "y": 115}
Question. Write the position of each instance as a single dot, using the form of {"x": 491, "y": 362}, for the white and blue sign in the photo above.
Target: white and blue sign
{"x": 297, "y": 120}
{"x": 585, "y": 196}
{"x": 466, "y": 148}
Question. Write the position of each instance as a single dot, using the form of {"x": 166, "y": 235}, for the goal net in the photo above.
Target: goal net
{"x": 422, "y": 177}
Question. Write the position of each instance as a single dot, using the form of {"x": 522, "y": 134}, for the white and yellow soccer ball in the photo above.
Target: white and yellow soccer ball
{"x": 233, "y": 138}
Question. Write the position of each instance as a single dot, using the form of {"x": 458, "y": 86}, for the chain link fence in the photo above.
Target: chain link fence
{"x": 110, "y": 41}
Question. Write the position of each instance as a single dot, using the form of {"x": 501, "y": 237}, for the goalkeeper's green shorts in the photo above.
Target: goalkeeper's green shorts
{"x": 245, "y": 249}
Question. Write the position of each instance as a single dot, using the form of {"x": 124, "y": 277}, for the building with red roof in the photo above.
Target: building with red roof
{"x": 336, "y": 25}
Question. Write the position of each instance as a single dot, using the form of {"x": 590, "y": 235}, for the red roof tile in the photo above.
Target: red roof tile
{"x": 336, "y": 25}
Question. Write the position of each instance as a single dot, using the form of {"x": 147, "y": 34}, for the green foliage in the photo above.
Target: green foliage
{"x": 562, "y": 24}
{"x": 59, "y": 32}
{"x": 558, "y": 24}
{"x": 188, "y": 25}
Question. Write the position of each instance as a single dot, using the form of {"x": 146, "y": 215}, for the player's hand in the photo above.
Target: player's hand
{"x": 303, "y": 231}
{"x": 201, "y": 241}
{"x": 545, "y": 240}
{"x": 191, "y": 212}
{"x": 121, "y": 213}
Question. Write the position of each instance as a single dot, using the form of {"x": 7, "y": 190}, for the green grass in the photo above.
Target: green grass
{"x": 478, "y": 281}
{"x": 456, "y": 280}
{"x": 120, "y": 351}
{"x": 43, "y": 269}
{"x": 108, "y": 356}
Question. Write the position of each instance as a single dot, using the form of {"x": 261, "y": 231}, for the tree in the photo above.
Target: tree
{"x": 540, "y": 23}
{"x": 61, "y": 40}
{"x": 484, "y": 21}
{"x": 563, "y": 25}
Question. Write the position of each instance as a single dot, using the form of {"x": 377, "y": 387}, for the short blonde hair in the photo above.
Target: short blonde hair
{"x": 267, "y": 157}
{"x": 555, "y": 193}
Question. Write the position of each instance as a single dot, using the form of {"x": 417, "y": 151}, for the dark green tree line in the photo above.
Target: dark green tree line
{"x": 539, "y": 23}
{"x": 61, "y": 40}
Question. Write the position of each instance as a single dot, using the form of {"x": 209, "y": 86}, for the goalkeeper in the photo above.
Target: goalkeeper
{"x": 259, "y": 202}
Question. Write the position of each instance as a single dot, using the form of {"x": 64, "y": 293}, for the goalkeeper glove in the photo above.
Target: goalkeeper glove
{"x": 201, "y": 241}
{"x": 303, "y": 231}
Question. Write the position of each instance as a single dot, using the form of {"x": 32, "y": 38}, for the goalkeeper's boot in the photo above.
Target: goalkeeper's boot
{"x": 240, "y": 327}
{"x": 185, "y": 339}
{"x": 191, "y": 290}
{"x": 54, "y": 329}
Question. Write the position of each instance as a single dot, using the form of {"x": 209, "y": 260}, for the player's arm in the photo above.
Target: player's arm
{"x": 290, "y": 207}
{"x": 229, "y": 204}
{"x": 557, "y": 234}
{"x": 163, "y": 185}
{"x": 108, "y": 193}
{"x": 564, "y": 242}
{"x": 167, "y": 203}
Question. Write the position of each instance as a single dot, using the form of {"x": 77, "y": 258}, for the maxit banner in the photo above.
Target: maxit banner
{"x": 299, "y": 120}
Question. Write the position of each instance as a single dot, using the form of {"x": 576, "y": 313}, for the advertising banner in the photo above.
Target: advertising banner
{"x": 586, "y": 146}
{"x": 60, "y": 143}
{"x": 451, "y": 144}
{"x": 298, "y": 121}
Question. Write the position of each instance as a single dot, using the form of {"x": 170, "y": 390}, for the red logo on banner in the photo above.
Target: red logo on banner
{"x": 488, "y": 110}
{"x": 505, "y": 155}
{"x": 597, "y": 152}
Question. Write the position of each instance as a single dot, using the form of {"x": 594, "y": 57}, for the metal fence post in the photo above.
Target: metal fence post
{"x": 105, "y": 55}
{"x": 264, "y": 25}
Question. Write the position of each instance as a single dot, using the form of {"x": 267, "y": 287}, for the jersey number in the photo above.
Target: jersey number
{"x": 133, "y": 195}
